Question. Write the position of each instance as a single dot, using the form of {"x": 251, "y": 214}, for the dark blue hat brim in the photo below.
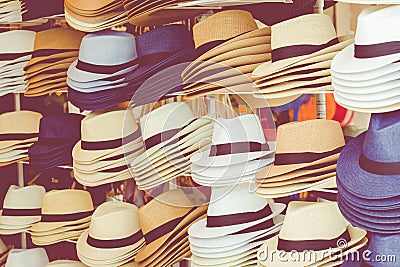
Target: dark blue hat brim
{"x": 361, "y": 183}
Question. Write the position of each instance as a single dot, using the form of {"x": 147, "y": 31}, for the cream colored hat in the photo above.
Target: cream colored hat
{"x": 65, "y": 263}
{"x": 310, "y": 226}
{"x": 63, "y": 208}
{"x": 21, "y": 207}
{"x": 102, "y": 243}
{"x": 35, "y": 257}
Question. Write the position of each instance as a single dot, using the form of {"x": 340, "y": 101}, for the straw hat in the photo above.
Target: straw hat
{"x": 19, "y": 45}
{"x": 64, "y": 207}
{"x": 21, "y": 207}
{"x": 319, "y": 232}
{"x": 166, "y": 219}
{"x": 100, "y": 243}
{"x": 369, "y": 65}
{"x": 35, "y": 257}
{"x": 65, "y": 263}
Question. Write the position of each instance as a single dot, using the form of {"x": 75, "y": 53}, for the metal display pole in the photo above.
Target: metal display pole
{"x": 321, "y": 97}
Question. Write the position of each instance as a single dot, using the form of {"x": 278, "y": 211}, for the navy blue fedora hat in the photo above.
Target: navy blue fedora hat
{"x": 369, "y": 165}
{"x": 386, "y": 247}
{"x": 57, "y": 136}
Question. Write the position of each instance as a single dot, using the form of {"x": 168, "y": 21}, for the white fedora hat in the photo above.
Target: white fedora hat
{"x": 35, "y": 257}
{"x": 21, "y": 206}
{"x": 373, "y": 47}
{"x": 102, "y": 243}
{"x": 234, "y": 141}
{"x": 103, "y": 55}
{"x": 16, "y": 46}
{"x": 310, "y": 226}
{"x": 233, "y": 209}
{"x": 65, "y": 263}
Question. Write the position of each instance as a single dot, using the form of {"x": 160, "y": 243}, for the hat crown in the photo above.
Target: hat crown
{"x": 309, "y": 136}
{"x": 23, "y": 121}
{"x": 168, "y": 206}
{"x": 61, "y": 126}
{"x": 168, "y": 117}
{"x": 312, "y": 221}
{"x": 122, "y": 216}
{"x": 381, "y": 142}
{"x": 105, "y": 126}
{"x": 58, "y": 38}
{"x": 245, "y": 128}
{"x": 165, "y": 39}
{"x": 34, "y": 257}
{"x": 17, "y": 41}
{"x": 66, "y": 263}
{"x": 67, "y": 201}
{"x": 29, "y": 197}
{"x": 108, "y": 48}
{"x": 233, "y": 200}
{"x": 376, "y": 25}
{"x": 231, "y": 23}
{"x": 312, "y": 29}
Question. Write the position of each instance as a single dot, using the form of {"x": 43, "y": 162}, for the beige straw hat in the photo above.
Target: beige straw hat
{"x": 301, "y": 232}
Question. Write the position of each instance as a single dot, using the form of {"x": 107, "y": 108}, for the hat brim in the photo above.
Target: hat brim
{"x": 302, "y": 179}
{"x": 224, "y": 261}
{"x": 39, "y": 67}
{"x": 360, "y": 182}
{"x": 63, "y": 229}
{"x": 7, "y": 63}
{"x": 18, "y": 221}
{"x": 376, "y": 106}
{"x": 356, "y": 235}
{"x": 58, "y": 56}
{"x": 345, "y": 62}
{"x": 48, "y": 226}
{"x": 104, "y": 165}
{"x": 200, "y": 229}
{"x": 94, "y": 84}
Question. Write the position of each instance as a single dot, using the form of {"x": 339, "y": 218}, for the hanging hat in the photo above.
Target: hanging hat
{"x": 364, "y": 74}
{"x": 96, "y": 16}
{"x": 21, "y": 208}
{"x": 319, "y": 233}
{"x": 107, "y": 137}
{"x": 301, "y": 159}
{"x": 65, "y": 263}
{"x": 35, "y": 257}
{"x": 62, "y": 209}
{"x": 57, "y": 136}
{"x": 120, "y": 244}
{"x": 165, "y": 221}
{"x": 237, "y": 222}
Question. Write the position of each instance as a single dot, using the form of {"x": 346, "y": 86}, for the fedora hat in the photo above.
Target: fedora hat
{"x": 65, "y": 263}
{"x": 57, "y": 136}
{"x": 13, "y": 134}
{"x": 21, "y": 208}
{"x": 100, "y": 243}
{"x": 165, "y": 221}
{"x": 16, "y": 47}
{"x": 35, "y": 257}
{"x": 64, "y": 208}
{"x": 319, "y": 233}
{"x": 233, "y": 146}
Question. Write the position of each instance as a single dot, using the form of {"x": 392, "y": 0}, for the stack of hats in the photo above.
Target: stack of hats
{"x": 313, "y": 234}
{"x": 34, "y": 257}
{"x": 102, "y": 245}
{"x": 4, "y": 251}
{"x": 238, "y": 151}
{"x": 98, "y": 79}
{"x": 156, "y": 13}
{"x": 16, "y": 49}
{"x": 165, "y": 221}
{"x": 66, "y": 215}
{"x": 171, "y": 134}
{"x": 28, "y": 10}
{"x": 21, "y": 209}
{"x": 305, "y": 160}
{"x": 110, "y": 140}
{"x": 93, "y": 16}
{"x": 365, "y": 75}
{"x": 162, "y": 61}
{"x": 11, "y": 11}
{"x": 228, "y": 66}
{"x": 18, "y": 131}
{"x": 65, "y": 263}
{"x": 54, "y": 51}
{"x": 57, "y": 136}
{"x": 237, "y": 223}
{"x": 302, "y": 52}
{"x": 368, "y": 176}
